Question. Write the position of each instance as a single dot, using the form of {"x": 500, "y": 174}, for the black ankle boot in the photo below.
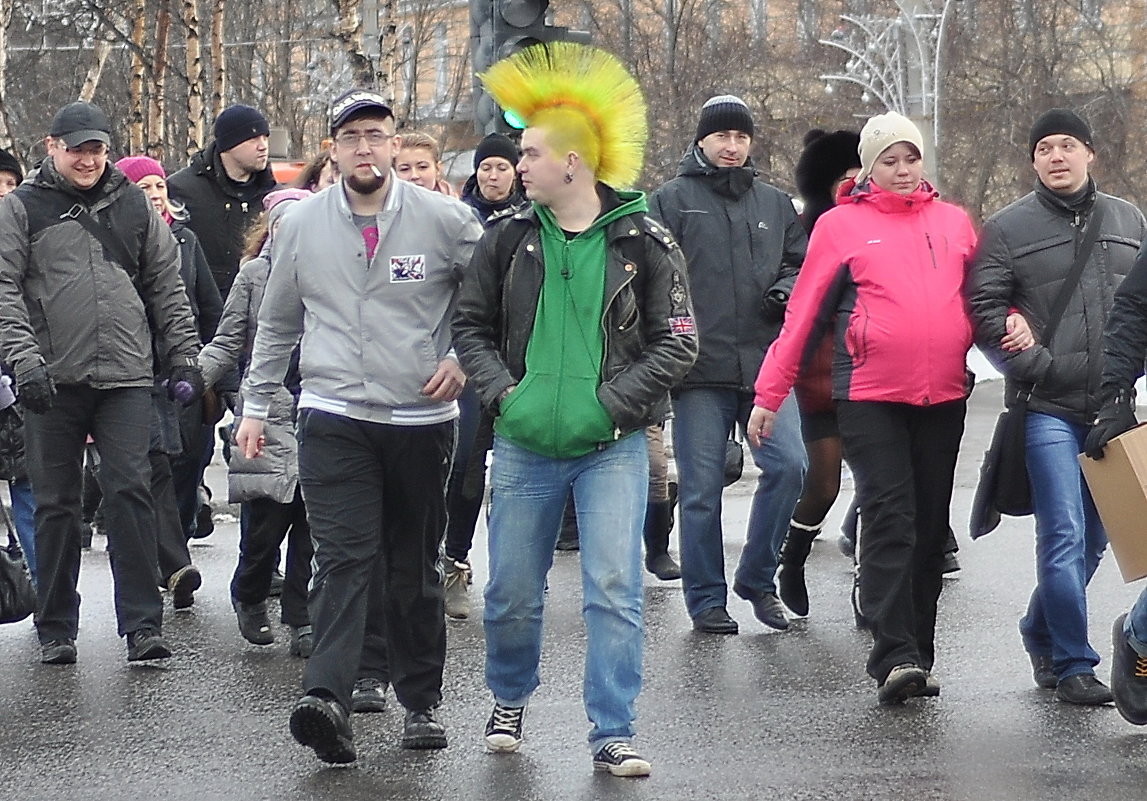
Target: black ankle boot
{"x": 658, "y": 524}
{"x": 790, "y": 578}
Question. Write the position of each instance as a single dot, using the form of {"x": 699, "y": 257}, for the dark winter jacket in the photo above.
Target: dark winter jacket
{"x": 742, "y": 240}
{"x": 1025, "y": 253}
{"x": 69, "y": 303}
{"x": 202, "y": 294}
{"x": 650, "y": 341}
{"x": 221, "y": 210}
{"x": 486, "y": 209}
{"x": 1125, "y": 339}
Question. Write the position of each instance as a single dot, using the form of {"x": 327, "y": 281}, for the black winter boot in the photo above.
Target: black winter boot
{"x": 790, "y": 577}
{"x": 658, "y": 524}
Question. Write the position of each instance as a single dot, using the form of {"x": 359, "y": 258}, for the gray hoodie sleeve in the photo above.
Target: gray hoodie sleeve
{"x": 280, "y": 324}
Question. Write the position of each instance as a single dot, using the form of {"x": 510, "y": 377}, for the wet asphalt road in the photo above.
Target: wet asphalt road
{"x": 761, "y": 715}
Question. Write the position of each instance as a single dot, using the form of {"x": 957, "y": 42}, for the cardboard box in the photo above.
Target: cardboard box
{"x": 1118, "y": 483}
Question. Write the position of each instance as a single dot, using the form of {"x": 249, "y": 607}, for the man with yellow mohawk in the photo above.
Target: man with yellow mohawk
{"x": 573, "y": 322}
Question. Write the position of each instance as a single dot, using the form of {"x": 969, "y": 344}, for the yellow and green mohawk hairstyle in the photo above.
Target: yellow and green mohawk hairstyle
{"x": 585, "y": 99}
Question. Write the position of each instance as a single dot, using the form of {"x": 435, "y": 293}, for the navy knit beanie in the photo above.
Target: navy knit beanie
{"x": 236, "y": 124}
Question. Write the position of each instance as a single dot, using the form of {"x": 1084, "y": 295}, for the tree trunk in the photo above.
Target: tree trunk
{"x": 218, "y": 58}
{"x": 157, "y": 107}
{"x": 348, "y": 32}
{"x": 138, "y": 41}
{"x": 194, "y": 64}
{"x": 100, "y": 52}
{"x": 387, "y": 49}
{"x": 5, "y": 21}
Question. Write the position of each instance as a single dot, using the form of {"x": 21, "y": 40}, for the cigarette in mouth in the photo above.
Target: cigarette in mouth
{"x": 377, "y": 172}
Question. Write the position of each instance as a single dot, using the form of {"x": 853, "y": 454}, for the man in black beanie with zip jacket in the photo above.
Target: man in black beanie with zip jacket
{"x": 1026, "y": 255}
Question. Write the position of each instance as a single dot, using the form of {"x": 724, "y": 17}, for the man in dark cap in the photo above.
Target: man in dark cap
{"x": 223, "y": 189}
{"x": 89, "y": 276}
{"x": 744, "y": 244}
{"x": 1026, "y": 255}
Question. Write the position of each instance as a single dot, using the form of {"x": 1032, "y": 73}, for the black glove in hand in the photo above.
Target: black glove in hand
{"x": 185, "y": 382}
{"x": 1115, "y": 416}
{"x": 36, "y": 389}
{"x": 773, "y": 305}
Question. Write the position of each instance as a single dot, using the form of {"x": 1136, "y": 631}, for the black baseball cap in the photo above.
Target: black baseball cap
{"x": 351, "y": 102}
{"x": 81, "y": 122}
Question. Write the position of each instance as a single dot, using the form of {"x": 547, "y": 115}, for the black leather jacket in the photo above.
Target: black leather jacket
{"x": 650, "y": 341}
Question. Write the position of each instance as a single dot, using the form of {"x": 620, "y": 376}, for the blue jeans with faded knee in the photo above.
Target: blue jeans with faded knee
{"x": 1070, "y": 541}
{"x": 528, "y": 494}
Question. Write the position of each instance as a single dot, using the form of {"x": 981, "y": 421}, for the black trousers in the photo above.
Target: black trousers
{"x": 904, "y": 460}
{"x": 376, "y": 502}
{"x": 466, "y": 489}
{"x": 118, "y": 420}
{"x": 268, "y": 522}
{"x": 171, "y": 544}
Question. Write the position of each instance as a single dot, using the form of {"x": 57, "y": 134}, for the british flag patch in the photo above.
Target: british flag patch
{"x": 682, "y": 326}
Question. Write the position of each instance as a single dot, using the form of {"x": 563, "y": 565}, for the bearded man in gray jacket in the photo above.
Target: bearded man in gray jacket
{"x": 365, "y": 273}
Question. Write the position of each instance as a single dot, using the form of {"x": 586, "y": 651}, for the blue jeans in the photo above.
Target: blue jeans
{"x": 528, "y": 494}
{"x": 702, "y": 419}
{"x": 1070, "y": 541}
{"x": 1135, "y": 627}
{"x": 23, "y": 511}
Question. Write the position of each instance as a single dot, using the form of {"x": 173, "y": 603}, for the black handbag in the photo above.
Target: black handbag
{"x": 1004, "y": 487}
{"x": 734, "y": 458}
{"x": 17, "y": 595}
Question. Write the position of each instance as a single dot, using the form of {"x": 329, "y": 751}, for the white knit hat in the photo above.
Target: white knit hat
{"x": 882, "y": 132}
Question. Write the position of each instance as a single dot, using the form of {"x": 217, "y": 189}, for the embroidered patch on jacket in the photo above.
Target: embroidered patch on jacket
{"x": 407, "y": 268}
{"x": 682, "y": 326}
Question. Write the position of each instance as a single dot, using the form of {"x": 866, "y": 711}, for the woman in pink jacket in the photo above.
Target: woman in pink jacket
{"x": 883, "y": 273}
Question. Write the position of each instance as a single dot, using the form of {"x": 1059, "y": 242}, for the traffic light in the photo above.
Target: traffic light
{"x": 499, "y": 28}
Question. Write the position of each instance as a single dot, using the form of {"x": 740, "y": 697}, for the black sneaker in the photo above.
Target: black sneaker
{"x": 369, "y": 695}
{"x": 254, "y": 624}
{"x": 1043, "y": 672}
{"x": 183, "y": 584}
{"x": 504, "y": 729}
{"x": 421, "y": 730}
{"x": 58, "y": 652}
{"x": 302, "y": 641}
{"x": 146, "y": 644}
{"x": 1128, "y": 677}
{"x": 323, "y": 726}
{"x": 1083, "y": 689}
{"x": 620, "y": 759}
{"x": 902, "y": 683}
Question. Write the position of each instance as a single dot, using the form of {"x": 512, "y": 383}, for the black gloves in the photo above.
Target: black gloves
{"x": 1115, "y": 416}
{"x": 185, "y": 381}
{"x": 36, "y": 389}
{"x": 773, "y": 305}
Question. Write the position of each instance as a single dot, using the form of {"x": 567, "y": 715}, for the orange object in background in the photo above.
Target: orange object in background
{"x": 287, "y": 171}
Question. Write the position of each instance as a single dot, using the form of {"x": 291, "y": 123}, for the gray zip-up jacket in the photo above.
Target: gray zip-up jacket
{"x": 68, "y": 303}
{"x": 372, "y": 332}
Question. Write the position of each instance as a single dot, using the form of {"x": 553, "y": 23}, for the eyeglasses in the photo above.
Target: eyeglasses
{"x": 88, "y": 149}
{"x": 374, "y": 138}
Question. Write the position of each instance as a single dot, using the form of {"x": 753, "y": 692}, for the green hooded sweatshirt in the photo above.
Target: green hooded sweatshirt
{"x": 554, "y": 411}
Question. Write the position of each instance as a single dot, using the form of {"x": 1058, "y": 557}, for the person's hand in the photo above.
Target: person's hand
{"x": 1019, "y": 335}
{"x": 185, "y": 381}
{"x": 1116, "y": 416}
{"x": 760, "y": 425}
{"x": 249, "y": 438}
{"x": 773, "y": 305}
{"x": 447, "y": 382}
{"x": 36, "y": 389}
